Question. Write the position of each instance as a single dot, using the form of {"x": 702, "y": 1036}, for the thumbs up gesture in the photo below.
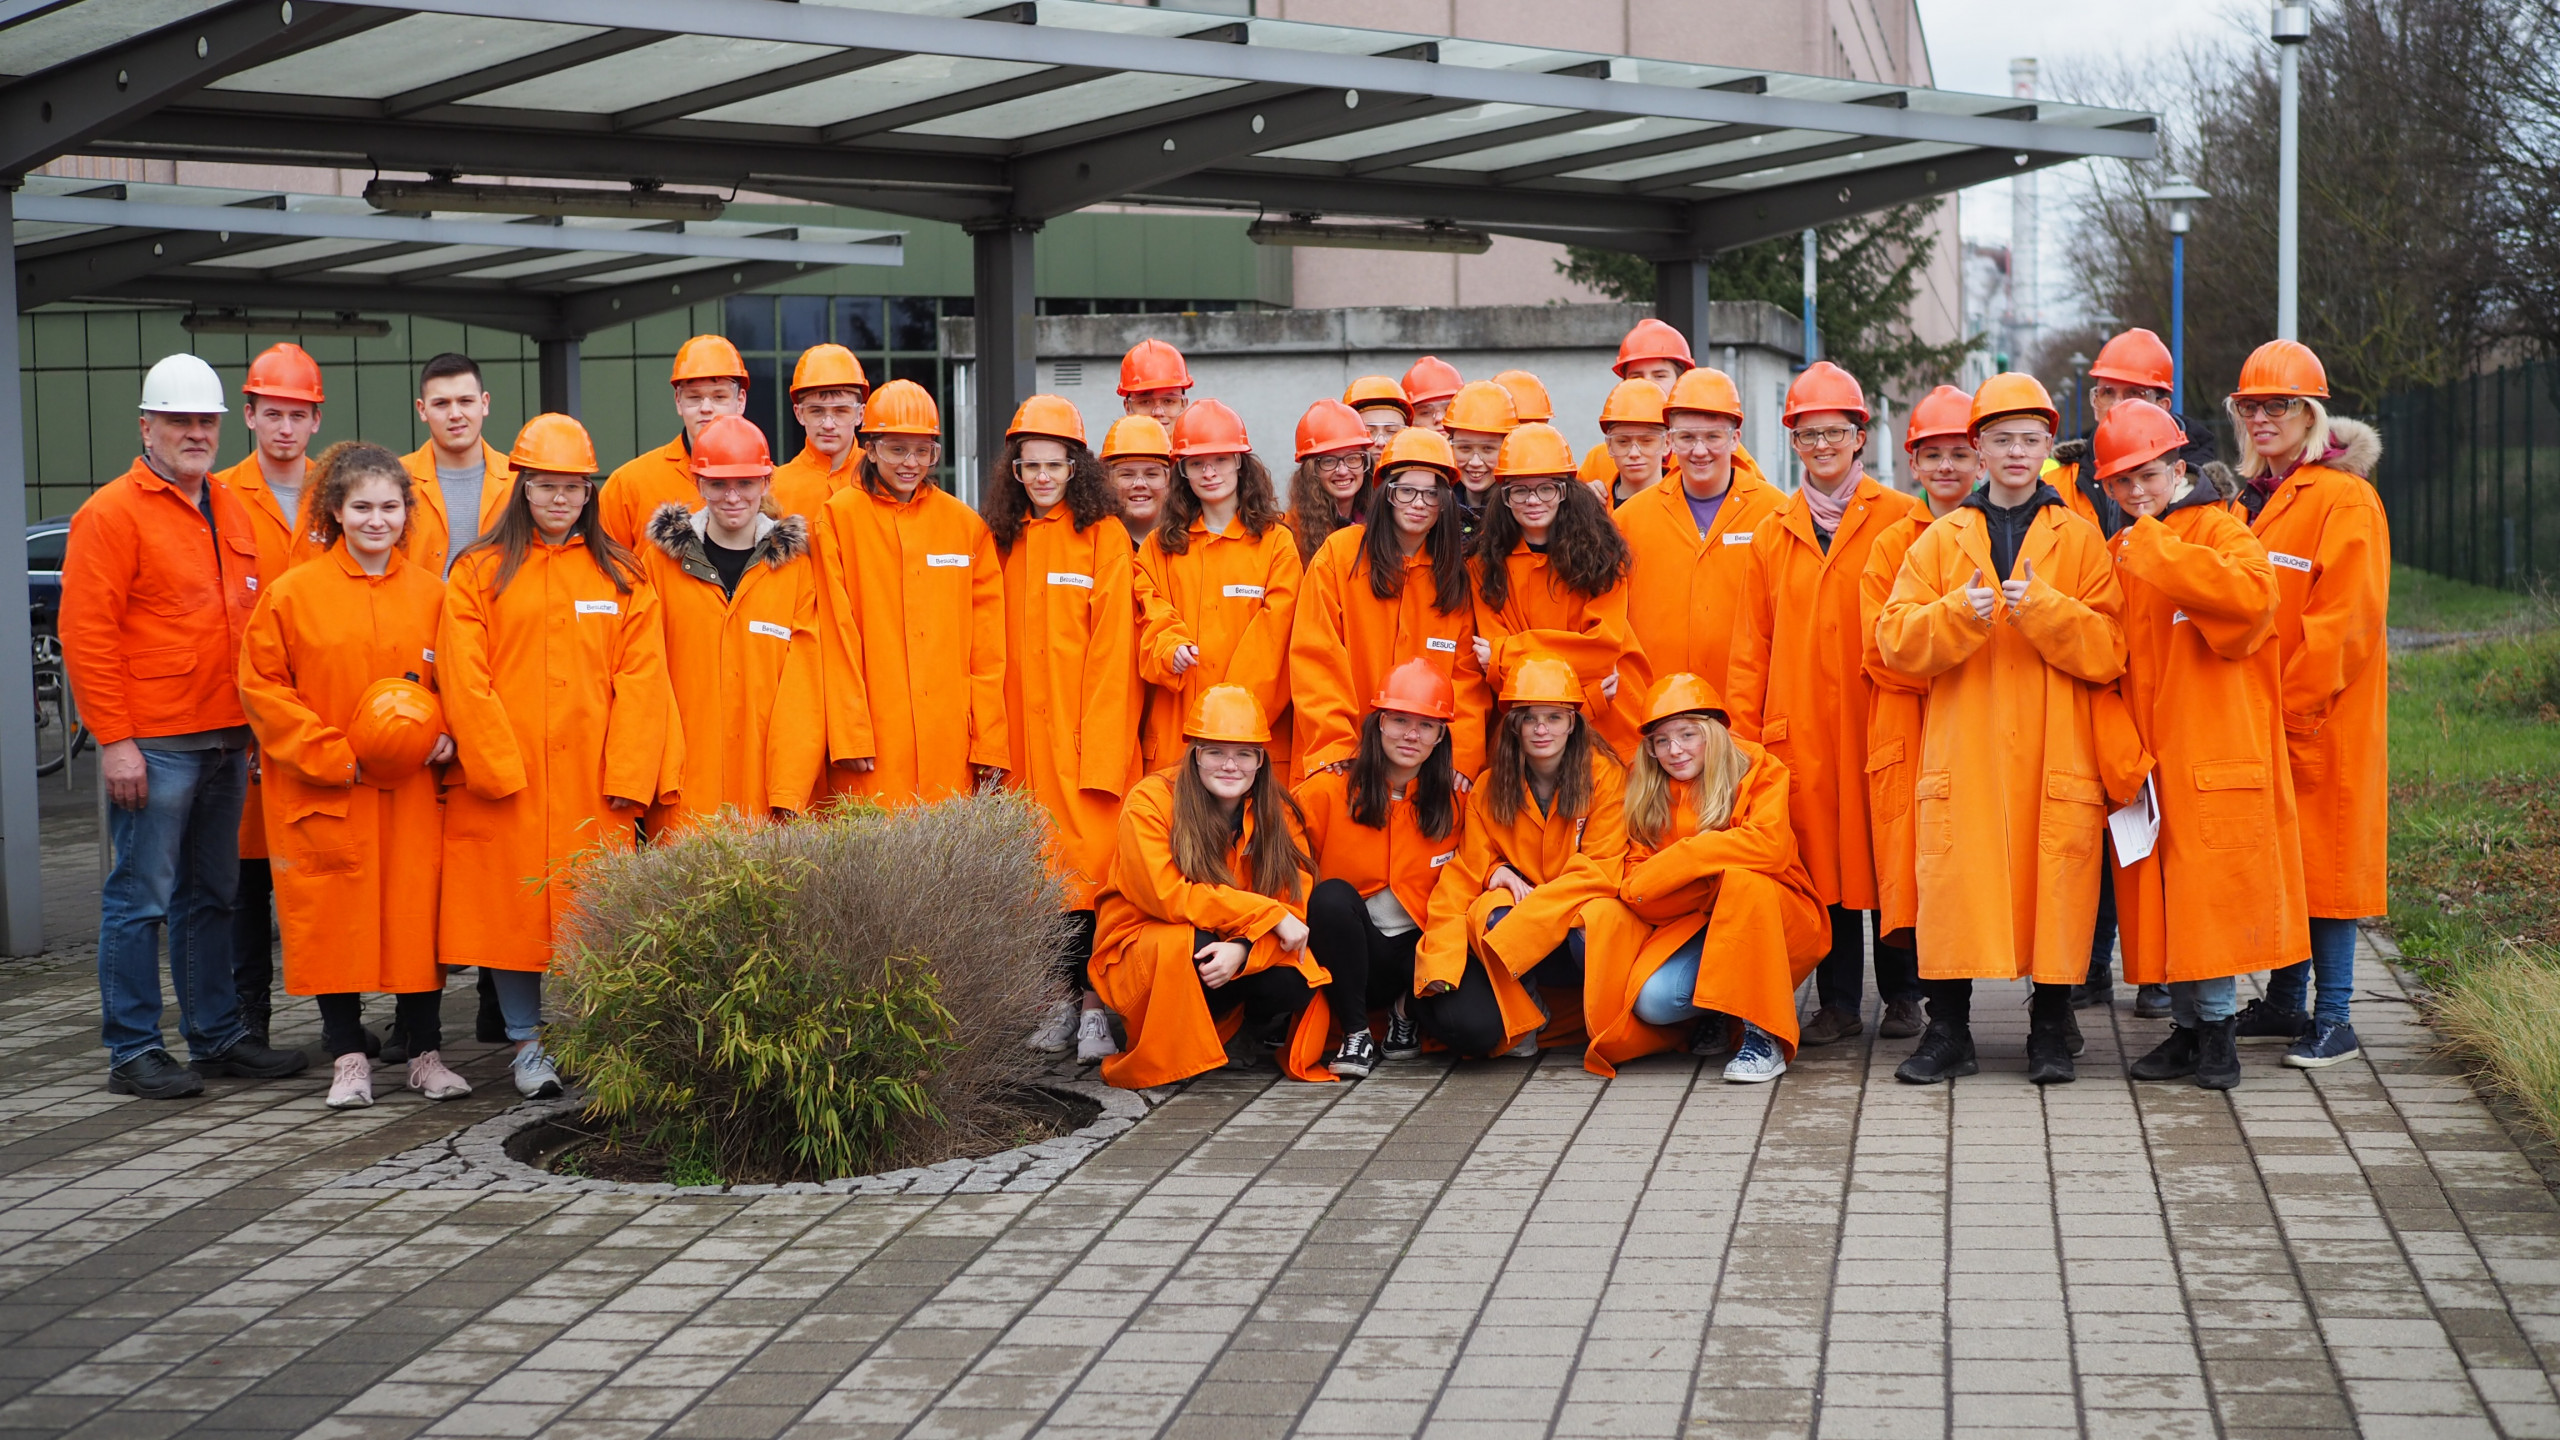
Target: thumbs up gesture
{"x": 2015, "y": 588}
{"x": 1981, "y": 596}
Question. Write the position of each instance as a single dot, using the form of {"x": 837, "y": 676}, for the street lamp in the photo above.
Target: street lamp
{"x": 2289, "y": 25}
{"x": 2180, "y": 194}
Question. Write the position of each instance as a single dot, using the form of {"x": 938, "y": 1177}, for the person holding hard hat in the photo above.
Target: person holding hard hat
{"x": 1217, "y": 585}
{"x": 2311, "y": 502}
{"x": 1797, "y": 686}
{"x": 158, "y": 581}
{"x": 2009, "y": 609}
{"x": 1379, "y": 829}
{"x": 1480, "y": 417}
{"x": 1071, "y": 671}
{"x": 827, "y": 391}
{"x": 552, "y": 664}
{"x": 1202, "y": 939}
{"x": 1381, "y": 405}
{"x": 738, "y": 613}
{"x": 1530, "y": 906}
{"x": 337, "y": 674}
{"x": 1429, "y": 384}
{"x": 1551, "y": 579}
{"x": 914, "y": 619}
{"x": 1331, "y": 489}
{"x": 462, "y": 480}
{"x": 1938, "y": 438}
{"x": 2133, "y": 365}
{"x": 2221, "y": 893}
{"x": 1712, "y": 867}
{"x": 280, "y": 404}
{"x": 1155, "y": 382}
{"x": 709, "y": 379}
{"x": 1690, "y": 536}
{"x": 1137, "y": 458}
{"x": 1381, "y": 595}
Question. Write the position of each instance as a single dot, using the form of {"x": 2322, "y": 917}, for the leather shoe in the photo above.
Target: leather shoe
{"x": 1902, "y": 1019}
{"x": 1830, "y": 1026}
{"x": 253, "y": 1061}
{"x": 154, "y": 1076}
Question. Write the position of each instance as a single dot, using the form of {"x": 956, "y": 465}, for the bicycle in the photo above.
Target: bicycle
{"x": 54, "y": 708}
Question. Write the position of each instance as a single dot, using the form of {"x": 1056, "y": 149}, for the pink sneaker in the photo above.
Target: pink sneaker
{"x": 351, "y": 1086}
{"x": 430, "y": 1076}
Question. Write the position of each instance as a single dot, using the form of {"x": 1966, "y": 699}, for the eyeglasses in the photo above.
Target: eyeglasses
{"x": 2015, "y": 444}
{"x": 1413, "y": 497}
{"x": 1829, "y": 435}
{"x": 1545, "y": 492}
{"x": 1044, "y": 469}
{"x": 1707, "y": 437}
{"x": 1347, "y": 463}
{"x": 2274, "y": 409}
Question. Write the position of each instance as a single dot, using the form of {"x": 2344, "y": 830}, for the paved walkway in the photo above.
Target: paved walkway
{"x": 1494, "y": 1250}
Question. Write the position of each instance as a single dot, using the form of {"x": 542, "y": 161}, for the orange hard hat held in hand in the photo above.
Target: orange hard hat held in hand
{"x": 395, "y": 728}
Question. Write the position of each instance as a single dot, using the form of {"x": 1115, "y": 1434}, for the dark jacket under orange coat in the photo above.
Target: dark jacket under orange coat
{"x": 742, "y": 670}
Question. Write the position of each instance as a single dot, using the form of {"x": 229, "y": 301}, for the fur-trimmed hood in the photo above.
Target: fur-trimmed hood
{"x": 2354, "y": 447}
{"x": 679, "y": 532}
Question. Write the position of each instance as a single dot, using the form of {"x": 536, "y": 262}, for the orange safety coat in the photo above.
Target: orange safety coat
{"x": 1799, "y": 683}
{"x": 154, "y": 601}
{"x": 913, "y": 638}
{"x": 556, "y": 692}
{"x": 1396, "y": 856}
{"x": 2008, "y": 804}
{"x": 282, "y": 545}
{"x": 2222, "y": 891}
{"x": 1590, "y": 634}
{"x": 1346, "y": 639}
{"x": 2331, "y": 544}
{"x": 1575, "y": 866}
{"x": 1685, "y": 589}
{"x": 1234, "y": 595}
{"x": 1070, "y": 703}
{"x": 804, "y": 484}
{"x": 431, "y": 518}
{"x": 742, "y": 670}
{"x": 1143, "y": 947}
{"x": 356, "y": 865}
{"x": 1743, "y": 886}
{"x": 633, "y": 493}
{"x": 1896, "y": 704}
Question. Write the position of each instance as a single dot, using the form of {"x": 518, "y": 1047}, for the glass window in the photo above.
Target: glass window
{"x": 925, "y": 370}
{"x": 804, "y": 323}
{"x": 960, "y": 305}
{"x": 751, "y": 322}
{"x": 764, "y": 400}
{"x": 912, "y": 324}
{"x": 858, "y": 325}
{"x": 44, "y": 549}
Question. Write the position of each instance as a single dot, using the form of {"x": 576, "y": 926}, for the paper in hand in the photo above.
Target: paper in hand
{"x": 2135, "y": 827}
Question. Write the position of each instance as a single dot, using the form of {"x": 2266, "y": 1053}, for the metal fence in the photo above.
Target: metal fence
{"x": 2469, "y": 469}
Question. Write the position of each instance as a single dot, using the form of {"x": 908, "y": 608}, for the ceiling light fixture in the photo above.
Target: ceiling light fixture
{"x": 237, "y": 322}
{"x": 1431, "y": 236}
{"x": 637, "y": 203}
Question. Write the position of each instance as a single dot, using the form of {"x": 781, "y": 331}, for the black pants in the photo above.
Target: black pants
{"x": 1266, "y": 995}
{"x": 1071, "y": 971}
{"x": 2102, "y": 940}
{"x": 1951, "y": 1002}
{"x": 419, "y": 1019}
{"x": 1469, "y": 1019}
{"x": 1369, "y": 969}
{"x": 1840, "y": 981}
{"x": 253, "y": 946}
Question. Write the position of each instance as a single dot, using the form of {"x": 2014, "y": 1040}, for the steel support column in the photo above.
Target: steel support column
{"x": 21, "y": 869}
{"x": 1680, "y": 299}
{"x": 1006, "y": 305}
{"x": 558, "y": 361}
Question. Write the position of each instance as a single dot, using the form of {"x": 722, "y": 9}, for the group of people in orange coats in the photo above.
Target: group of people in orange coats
{"x": 1464, "y": 742}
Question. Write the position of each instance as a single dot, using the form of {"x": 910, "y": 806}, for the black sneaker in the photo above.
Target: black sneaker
{"x": 154, "y": 1076}
{"x": 2151, "y": 1002}
{"x": 1945, "y": 1052}
{"x": 253, "y": 1061}
{"x": 2071, "y": 1027}
{"x": 2089, "y": 994}
{"x": 2171, "y": 1059}
{"x": 2217, "y": 1058}
{"x": 2259, "y": 1020}
{"x": 1356, "y": 1057}
{"x": 1404, "y": 1038}
{"x": 2049, "y": 1056}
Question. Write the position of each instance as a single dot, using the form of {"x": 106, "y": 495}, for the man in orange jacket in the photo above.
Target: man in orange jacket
{"x": 461, "y": 482}
{"x": 159, "y": 579}
{"x": 1691, "y": 535}
{"x": 827, "y": 391}
{"x": 710, "y": 380}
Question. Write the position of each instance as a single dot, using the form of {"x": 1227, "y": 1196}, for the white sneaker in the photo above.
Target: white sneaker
{"x": 536, "y": 1077}
{"x": 1757, "y": 1062}
{"x": 351, "y": 1085}
{"x": 1057, "y": 1032}
{"x": 1527, "y": 1049}
{"x": 1093, "y": 1037}
{"x": 431, "y": 1077}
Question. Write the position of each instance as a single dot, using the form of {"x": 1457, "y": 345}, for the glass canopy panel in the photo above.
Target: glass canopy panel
{"x": 1428, "y": 130}
{"x": 428, "y": 259}
{"x": 1845, "y": 167}
{"x": 409, "y": 52}
{"x": 1100, "y": 99}
{"x": 673, "y": 66}
{"x": 299, "y": 252}
{"x": 1602, "y": 137}
{"x": 656, "y": 269}
{"x": 1769, "y": 149}
{"x": 909, "y": 81}
{"x": 75, "y": 30}
{"x": 544, "y": 264}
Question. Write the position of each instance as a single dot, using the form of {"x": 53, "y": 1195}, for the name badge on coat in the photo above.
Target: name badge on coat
{"x": 2289, "y": 562}
{"x": 767, "y": 627}
{"x": 1443, "y": 858}
{"x": 427, "y": 655}
{"x": 1242, "y": 592}
{"x": 1445, "y": 647}
{"x": 1737, "y": 537}
{"x": 599, "y": 607}
{"x": 1069, "y": 577}
{"x": 2177, "y": 617}
{"x": 946, "y": 562}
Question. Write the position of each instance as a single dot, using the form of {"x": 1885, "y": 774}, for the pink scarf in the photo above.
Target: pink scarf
{"x": 1827, "y": 509}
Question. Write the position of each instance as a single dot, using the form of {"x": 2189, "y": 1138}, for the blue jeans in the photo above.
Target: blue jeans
{"x": 177, "y": 868}
{"x": 520, "y": 1000}
{"x": 2191, "y": 1001}
{"x": 2333, "y": 958}
{"x": 1665, "y": 996}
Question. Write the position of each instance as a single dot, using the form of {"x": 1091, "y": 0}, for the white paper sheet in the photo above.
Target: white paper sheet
{"x": 2135, "y": 828}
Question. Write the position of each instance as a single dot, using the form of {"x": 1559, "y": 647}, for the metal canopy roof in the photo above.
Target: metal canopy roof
{"x": 946, "y": 109}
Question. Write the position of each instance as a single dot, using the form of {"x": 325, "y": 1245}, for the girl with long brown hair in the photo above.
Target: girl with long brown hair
{"x": 1330, "y": 492}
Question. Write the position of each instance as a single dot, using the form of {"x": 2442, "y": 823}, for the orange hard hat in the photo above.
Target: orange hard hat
{"x": 284, "y": 372}
{"x": 1417, "y": 687}
{"x": 2283, "y": 367}
{"x": 1598, "y": 466}
{"x": 1653, "y": 340}
{"x": 2135, "y": 357}
{"x": 2135, "y": 433}
{"x": 1708, "y": 391}
{"x": 396, "y": 726}
{"x": 555, "y": 444}
{"x": 1824, "y": 386}
{"x": 731, "y": 447}
{"x": 1209, "y": 428}
{"x": 1542, "y": 679}
{"x": 1136, "y": 436}
{"x": 1371, "y": 390}
{"x": 829, "y": 367}
{"x": 1681, "y": 694}
{"x": 1528, "y": 395}
{"x": 1632, "y": 402}
{"x": 1483, "y": 407}
{"x": 1419, "y": 445}
{"x": 902, "y": 407}
{"x": 1153, "y": 365}
{"x": 1431, "y": 378}
{"x": 1228, "y": 715}
{"x": 2010, "y": 393}
{"x": 1328, "y": 426}
{"x": 1533, "y": 449}
{"x": 707, "y": 357}
{"x": 1943, "y": 413}
{"x": 1052, "y": 415}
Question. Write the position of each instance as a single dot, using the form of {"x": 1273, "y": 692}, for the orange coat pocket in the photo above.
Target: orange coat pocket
{"x": 2074, "y": 810}
{"x": 1937, "y": 827}
{"x": 1890, "y": 797}
{"x": 2232, "y": 812}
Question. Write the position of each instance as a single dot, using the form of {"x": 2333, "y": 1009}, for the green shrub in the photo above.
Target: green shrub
{"x": 2505, "y": 1010}
{"x": 831, "y": 997}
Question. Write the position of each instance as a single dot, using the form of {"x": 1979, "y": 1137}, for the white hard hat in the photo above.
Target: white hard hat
{"x": 183, "y": 385}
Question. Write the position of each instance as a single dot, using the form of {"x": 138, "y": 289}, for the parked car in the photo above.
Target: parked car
{"x": 45, "y": 541}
